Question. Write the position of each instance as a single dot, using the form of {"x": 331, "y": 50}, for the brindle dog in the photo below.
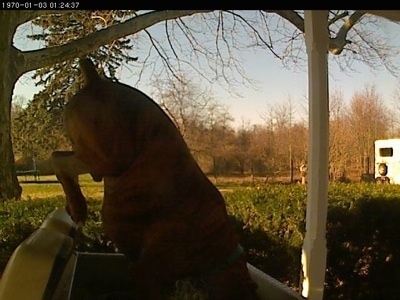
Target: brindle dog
{"x": 159, "y": 208}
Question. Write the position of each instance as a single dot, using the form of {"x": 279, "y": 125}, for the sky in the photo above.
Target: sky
{"x": 277, "y": 84}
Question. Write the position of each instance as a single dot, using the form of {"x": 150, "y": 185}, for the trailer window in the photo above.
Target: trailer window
{"x": 386, "y": 152}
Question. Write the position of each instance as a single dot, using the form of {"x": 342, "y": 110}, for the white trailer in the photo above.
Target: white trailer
{"x": 387, "y": 161}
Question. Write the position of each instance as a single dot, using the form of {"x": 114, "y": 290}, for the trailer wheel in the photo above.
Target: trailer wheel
{"x": 382, "y": 169}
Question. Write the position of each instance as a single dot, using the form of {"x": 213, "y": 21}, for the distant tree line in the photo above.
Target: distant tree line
{"x": 276, "y": 148}
{"x": 279, "y": 146}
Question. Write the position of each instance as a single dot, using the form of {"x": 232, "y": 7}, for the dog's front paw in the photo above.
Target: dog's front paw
{"x": 79, "y": 216}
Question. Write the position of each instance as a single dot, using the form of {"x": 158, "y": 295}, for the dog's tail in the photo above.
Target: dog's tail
{"x": 88, "y": 70}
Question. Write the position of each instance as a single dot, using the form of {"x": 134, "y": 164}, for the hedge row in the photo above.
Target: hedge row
{"x": 363, "y": 240}
{"x": 363, "y": 237}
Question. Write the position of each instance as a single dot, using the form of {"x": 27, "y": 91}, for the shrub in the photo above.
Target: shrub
{"x": 363, "y": 260}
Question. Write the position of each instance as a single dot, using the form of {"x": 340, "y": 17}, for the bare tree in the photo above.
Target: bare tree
{"x": 394, "y": 116}
{"x": 217, "y": 136}
{"x": 242, "y": 146}
{"x": 203, "y": 122}
{"x": 279, "y": 118}
{"x": 184, "y": 101}
{"x": 261, "y": 151}
{"x": 340, "y": 136}
{"x": 367, "y": 121}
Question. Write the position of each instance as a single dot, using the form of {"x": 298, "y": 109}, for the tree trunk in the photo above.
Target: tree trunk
{"x": 9, "y": 186}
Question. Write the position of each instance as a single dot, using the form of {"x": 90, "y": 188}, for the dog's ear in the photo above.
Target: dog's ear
{"x": 88, "y": 70}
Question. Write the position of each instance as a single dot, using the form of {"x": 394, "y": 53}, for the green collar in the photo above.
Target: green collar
{"x": 227, "y": 262}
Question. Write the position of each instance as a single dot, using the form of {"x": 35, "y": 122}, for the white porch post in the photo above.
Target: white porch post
{"x": 314, "y": 248}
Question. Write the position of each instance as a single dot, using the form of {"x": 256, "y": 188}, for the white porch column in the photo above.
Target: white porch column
{"x": 314, "y": 248}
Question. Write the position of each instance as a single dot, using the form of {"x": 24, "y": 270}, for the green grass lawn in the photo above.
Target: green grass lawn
{"x": 48, "y": 187}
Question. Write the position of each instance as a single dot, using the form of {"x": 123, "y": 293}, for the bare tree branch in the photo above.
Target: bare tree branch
{"x": 337, "y": 17}
{"x": 337, "y": 44}
{"x": 161, "y": 54}
{"x": 32, "y": 60}
{"x": 269, "y": 45}
{"x": 339, "y": 39}
{"x": 392, "y": 15}
{"x": 291, "y": 16}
